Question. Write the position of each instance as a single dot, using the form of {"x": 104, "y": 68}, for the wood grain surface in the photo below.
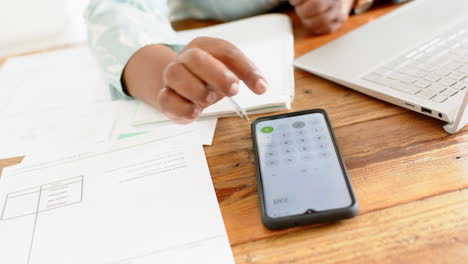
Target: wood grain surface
{"x": 410, "y": 177}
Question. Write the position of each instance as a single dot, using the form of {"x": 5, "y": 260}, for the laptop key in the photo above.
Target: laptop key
{"x": 404, "y": 69}
{"x": 426, "y": 94}
{"x": 443, "y": 72}
{"x": 427, "y": 67}
{"x": 464, "y": 59}
{"x": 410, "y": 89}
{"x": 459, "y": 86}
{"x": 457, "y": 75}
{"x": 437, "y": 88}
{"x": 404, "y": 87}
{"x": 450, "y": 92}
{"x": 408, "y": 79}
{"x": 372, "y": 77}
{"x": 433, "y": 77}
{"x": 384, "y": 81}
{"x": 422, "y": 83}
{"x": 395, "y": 75}
{"x": 382, "y": 71}
{"x": 453, "y": 66}
{"x": 440, "y": 98}
{"x": 417, "y": 73}
{"x": 447, "y": 81}
{"x": 464, "y": 69}
{"x": 395, "y": 84}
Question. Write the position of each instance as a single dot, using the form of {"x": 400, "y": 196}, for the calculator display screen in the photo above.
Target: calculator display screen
{"x": 300, "y": 169}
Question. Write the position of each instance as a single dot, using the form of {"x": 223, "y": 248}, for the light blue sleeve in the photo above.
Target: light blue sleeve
{"x": 119, "y": 28}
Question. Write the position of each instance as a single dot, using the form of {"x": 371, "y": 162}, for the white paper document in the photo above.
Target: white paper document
{"x": 52, "y": 80}
{"x": 205, "y": 129}
{"x": 268, "y": 41}
{"x": 49, "y": 134}
{"x": 61, "y": 89}
{"x": 139, "y": 201}
{"x": 124, "y": 127}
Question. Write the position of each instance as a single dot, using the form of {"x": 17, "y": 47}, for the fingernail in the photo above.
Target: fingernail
{"x": 234, "y": 89}
{"x": 196, "y": 112}
{"x": 211, "y": 98}
{"x": 261, "y": 86}
{"x": 259, "y": 73}
{"x": 182, "y": 121}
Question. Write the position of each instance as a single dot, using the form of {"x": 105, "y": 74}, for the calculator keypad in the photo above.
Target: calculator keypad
{"x": 297, "y": 159}
{"x": 298, "y": 140}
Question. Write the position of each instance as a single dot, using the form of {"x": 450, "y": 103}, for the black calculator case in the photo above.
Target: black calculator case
{"x": 327, "y": 216}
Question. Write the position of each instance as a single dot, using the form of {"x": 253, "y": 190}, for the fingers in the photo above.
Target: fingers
{"x": 204, "y": 72}
{"x": 176, "y": 107}
{"x": 322, "y": 16}
{"x": 177, "y": 77}
{"x": 313, "y": 8}
{"x": 211, "y": 71}
{"x": 235, "y": 60}
{"x": 326, "y": 22}
{"x": 194, "y": 81}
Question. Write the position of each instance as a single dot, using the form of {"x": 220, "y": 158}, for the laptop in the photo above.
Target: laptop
{"x": 415, "y": 57}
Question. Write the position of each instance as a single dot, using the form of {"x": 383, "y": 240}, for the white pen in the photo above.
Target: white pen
{"x": 239, "y": 110}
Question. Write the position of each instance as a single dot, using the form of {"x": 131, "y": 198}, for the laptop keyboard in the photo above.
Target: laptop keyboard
{"x": 435, "y": 70}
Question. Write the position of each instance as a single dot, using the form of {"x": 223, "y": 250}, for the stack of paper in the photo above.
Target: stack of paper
{"x": 65, "y": 87}
{"x": 93, "y": 188}
{"x": 144, "y": 200}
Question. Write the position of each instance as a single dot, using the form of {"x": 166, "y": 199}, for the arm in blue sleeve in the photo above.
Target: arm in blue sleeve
{"x": 119, "y": 28}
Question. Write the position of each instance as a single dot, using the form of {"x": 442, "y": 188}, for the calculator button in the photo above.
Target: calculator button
{"x": 318, "y": 129}
{"x": 321, "y": 146}
{"x": 300, "y": 132}
{"x": 267, "y": 129}
{"x": 302, "y": 140}
{"x": 307, "y": 157}
{"x": 286, "y": 142}
{"x": 271, "y": 153}
{"x": 283, "y": 127}
{"x": 284, "y": 135}
{"x": 314, "y": 122}
{"x": 318, "y": 137}
{"x": 271, "y": 147}
{"x": 288, "y": 151}
{"x": 298, "y": 124}
{"x": 289, "y": 160}
{"x": 324, "y": 154}
{"x": 266, "y": 138}
{"x": 305, "y": 148}
{"x": 272, "y": 163}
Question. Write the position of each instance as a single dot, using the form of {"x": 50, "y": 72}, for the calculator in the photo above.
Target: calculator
{"x": 301, "y": 176}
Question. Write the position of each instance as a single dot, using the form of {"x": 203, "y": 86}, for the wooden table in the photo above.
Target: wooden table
{"x": 410, "y": 178}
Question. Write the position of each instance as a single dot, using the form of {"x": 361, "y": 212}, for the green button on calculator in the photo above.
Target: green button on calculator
{"x": 267, "y": 129}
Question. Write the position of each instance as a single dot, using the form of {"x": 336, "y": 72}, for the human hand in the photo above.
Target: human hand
{"x": 206, "y": 70}
{"x": 322, "y": 16}
{"x": 182, "y": 85}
